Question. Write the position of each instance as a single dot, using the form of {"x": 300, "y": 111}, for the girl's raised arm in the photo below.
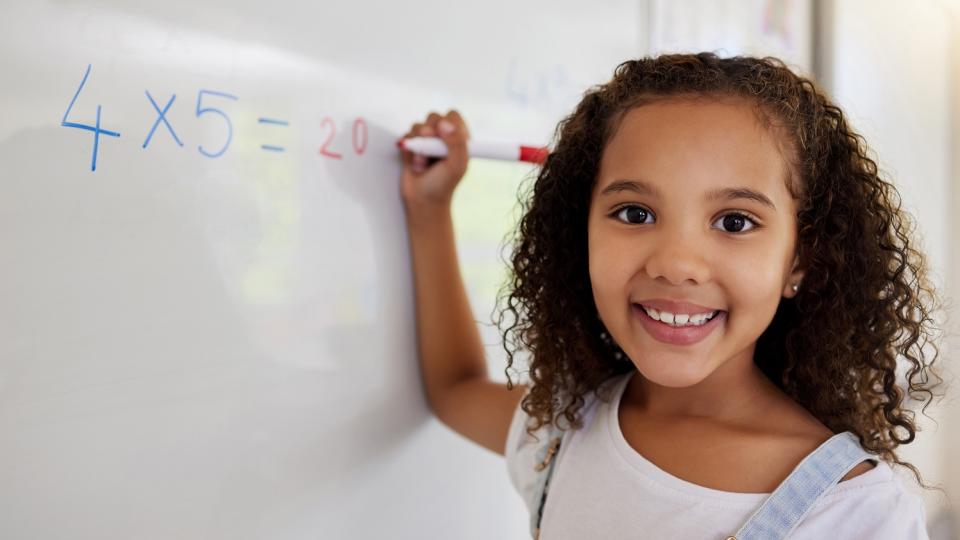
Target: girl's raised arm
{"x": 452, "y": 358}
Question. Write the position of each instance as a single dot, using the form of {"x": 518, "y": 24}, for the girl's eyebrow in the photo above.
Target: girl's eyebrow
{"x": 727, "y": 193}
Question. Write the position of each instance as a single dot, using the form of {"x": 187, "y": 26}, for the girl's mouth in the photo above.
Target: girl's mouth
{"x": 678, "y": 335}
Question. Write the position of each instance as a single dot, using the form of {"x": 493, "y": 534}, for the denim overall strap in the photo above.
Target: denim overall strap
{"x": 544, "y": 465}
{"x": 783, "y": 510}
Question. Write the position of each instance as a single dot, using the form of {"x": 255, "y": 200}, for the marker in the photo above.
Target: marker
{"x": 435, "y": 147}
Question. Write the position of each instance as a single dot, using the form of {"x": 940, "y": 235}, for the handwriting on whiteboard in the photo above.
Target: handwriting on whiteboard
{"x": 213, "y": 106}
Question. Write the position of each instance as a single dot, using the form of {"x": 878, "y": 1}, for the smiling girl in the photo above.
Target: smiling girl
{"x": 714, "y": 287}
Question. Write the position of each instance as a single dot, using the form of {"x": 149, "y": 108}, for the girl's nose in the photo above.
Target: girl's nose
{"x": 678, "y": 257}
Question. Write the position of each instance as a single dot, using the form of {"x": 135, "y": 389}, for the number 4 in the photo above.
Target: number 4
{"x": 96, "y": 129}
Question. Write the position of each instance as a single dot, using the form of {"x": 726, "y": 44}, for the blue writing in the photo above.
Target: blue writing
{"x": 204, "y": 110}
{"x": 95, "y": 128}
{"x": 273, "y": 121}
{"x": 162, "y": 117}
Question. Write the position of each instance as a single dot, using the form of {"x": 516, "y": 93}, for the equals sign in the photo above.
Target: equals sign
{"x": 273, "y": 121}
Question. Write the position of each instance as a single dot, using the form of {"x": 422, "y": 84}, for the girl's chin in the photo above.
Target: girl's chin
{"x": 671, "y": 373}
{"x": 669, "y": 367}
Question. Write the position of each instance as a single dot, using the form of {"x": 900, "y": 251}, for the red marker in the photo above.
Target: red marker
{"x": 435, "y": 147}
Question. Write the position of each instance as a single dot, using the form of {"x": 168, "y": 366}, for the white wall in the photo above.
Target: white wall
{"x": 950, "y": 445}
{"x": 890, "y": 70}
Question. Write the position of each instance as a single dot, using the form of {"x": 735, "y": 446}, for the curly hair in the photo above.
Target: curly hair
{"x": 866, "y": 298}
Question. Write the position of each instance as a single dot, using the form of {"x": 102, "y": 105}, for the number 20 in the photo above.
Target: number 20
{"x": 359, "y": 137}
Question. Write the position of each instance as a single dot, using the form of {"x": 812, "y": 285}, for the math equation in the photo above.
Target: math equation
{"x": 213, "y": 106}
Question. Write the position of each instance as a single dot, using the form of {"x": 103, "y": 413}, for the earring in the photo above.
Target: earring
{"x": 795, "y": 287}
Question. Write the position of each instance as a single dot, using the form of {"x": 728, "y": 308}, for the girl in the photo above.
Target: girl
{"x": 714, "y": 286}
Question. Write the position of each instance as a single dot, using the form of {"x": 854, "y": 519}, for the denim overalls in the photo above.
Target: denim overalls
{"x": 779, "y": 514}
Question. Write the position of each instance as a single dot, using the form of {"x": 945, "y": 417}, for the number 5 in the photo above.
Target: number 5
{"x": 202, "y": 110}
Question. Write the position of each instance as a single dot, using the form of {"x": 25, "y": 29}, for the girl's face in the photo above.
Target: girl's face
{"x": 691, "y": 205}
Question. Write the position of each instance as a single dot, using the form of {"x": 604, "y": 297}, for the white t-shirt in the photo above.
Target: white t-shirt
{"x": 602, "y": 488}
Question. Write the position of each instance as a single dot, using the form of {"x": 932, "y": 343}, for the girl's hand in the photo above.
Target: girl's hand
{"x": 429, "y": 182}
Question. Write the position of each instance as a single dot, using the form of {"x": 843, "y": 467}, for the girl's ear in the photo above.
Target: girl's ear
{"x": 792, "y": 287}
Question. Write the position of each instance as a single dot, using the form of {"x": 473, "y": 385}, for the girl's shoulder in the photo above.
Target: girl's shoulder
{"x": 870, "y": 501}
{"x": 524, "y": 449}
{"x": 875, "y": 504}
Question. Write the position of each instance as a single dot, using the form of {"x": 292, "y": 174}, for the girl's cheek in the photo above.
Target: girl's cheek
{"x": 603, "y": 258}
{"x": 757, "y": 287}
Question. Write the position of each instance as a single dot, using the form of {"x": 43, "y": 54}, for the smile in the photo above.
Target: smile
{"x": 682, "y": 319}
{"x": 687, "y": 332}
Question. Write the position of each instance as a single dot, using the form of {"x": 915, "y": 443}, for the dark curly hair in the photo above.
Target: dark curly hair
{"x": 865, "y": 299}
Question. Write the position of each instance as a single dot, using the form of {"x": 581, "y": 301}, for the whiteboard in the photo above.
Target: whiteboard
{"x": 206, "y": 311}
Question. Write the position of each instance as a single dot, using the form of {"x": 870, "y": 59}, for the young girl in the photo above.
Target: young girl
{"x": 714, "y": 286}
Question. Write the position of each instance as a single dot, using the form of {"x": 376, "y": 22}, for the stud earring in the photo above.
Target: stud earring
{"x": 795, "y": 287}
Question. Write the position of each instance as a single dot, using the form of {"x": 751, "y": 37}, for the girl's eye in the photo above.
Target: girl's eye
{"x": 736, "y": 222}
{"x": 635, "y": 215}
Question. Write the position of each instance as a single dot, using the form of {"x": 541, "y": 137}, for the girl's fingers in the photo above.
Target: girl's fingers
{"x": 415, "y": 130}
{"x": 428, "y": 128}
{"x": 406, "y": 155}
{"x": 455, "y": 137}
{"x": 419, "y": 163}
{"x": 454, "y": 117}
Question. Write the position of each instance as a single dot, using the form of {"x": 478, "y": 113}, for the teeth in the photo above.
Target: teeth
{"x": 682, "y": 319}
